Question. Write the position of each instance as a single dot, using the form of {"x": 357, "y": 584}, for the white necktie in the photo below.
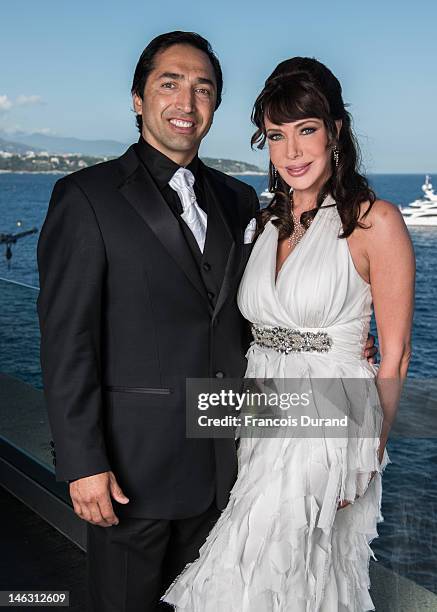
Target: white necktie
{"x": 182, "y": 182}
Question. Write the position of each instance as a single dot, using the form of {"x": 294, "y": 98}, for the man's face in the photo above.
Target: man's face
{"x": 178, "y": 102}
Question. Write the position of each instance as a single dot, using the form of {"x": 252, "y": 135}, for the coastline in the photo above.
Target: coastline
{"x": 34, "y": 172}
{"x": 246, "y": 173}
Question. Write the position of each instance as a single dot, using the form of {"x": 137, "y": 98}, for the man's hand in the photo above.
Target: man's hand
{"x": 370, "y": 350}
{"x": 91, "y": 497}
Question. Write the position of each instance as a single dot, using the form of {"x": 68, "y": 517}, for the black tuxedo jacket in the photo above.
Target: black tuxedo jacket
{"x": 126, "y": 315}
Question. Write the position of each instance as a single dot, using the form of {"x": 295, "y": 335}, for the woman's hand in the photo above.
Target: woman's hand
{"x": 343, "y": 504}
{"x": 380, "y": 456}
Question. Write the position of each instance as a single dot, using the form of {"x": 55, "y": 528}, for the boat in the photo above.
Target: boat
{"x": 423, "y": 211}
{"x": 265, "y": 198}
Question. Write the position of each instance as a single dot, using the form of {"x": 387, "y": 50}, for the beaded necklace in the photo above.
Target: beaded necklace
{"x": 298, "y": 229}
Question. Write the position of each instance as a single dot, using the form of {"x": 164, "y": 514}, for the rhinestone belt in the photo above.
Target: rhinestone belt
{"x": 286, "y": 340}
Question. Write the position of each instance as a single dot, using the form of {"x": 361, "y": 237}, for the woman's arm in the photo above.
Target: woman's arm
{"x": 383, "y": 255}
{"x": 390, "y": 254}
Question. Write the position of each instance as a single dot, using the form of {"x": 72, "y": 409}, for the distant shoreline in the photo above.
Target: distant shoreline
{"x": 246, "y": 173}
{"x": 34, "y": 172}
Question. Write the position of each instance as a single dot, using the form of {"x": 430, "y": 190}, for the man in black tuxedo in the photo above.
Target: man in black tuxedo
{"x": 139, "y": 260}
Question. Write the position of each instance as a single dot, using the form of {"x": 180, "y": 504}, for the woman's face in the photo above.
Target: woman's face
{"x": 299, "y": 150}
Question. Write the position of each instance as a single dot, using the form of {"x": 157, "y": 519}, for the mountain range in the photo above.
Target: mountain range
{"x": 15, "y": 147}
{"x": 64, "y": 144}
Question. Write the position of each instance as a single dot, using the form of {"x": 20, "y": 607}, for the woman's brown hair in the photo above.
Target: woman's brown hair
{"x": 297, "y": 89}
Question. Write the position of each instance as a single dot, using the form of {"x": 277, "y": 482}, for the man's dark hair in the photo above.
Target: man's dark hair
{"x": 162, "y": 42}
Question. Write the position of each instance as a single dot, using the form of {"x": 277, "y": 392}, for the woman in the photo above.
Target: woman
{"x": 295, "y": 535}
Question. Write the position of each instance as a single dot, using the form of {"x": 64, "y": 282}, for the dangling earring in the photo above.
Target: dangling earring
{"x": 336, "y": 154}
{"x": 275, "y": 178}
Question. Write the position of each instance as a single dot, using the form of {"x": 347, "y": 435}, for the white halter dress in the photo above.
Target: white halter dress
{"x": 281, "y": 545}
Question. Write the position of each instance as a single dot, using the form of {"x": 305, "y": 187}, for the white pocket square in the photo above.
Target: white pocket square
{"x": 249, "y": 232}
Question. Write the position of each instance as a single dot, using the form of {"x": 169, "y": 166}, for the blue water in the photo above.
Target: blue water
{"x": 25, "y": 197}
{"x": 407, "y": 535}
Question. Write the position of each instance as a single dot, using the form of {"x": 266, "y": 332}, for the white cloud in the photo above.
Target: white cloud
{"x": 10, "y": 129}
{"x": 5, "y": 103}
{"x": 23, "y": 100}
{"x": 45, "y": 131}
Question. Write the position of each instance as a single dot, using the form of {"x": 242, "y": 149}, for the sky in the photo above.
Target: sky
{"x": 66, "y": 67}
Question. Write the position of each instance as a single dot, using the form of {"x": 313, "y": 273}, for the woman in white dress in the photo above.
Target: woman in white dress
{"x": 295, "y": 534}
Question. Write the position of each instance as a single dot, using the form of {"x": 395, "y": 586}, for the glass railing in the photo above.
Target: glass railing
{"x": 19, "y": 332}
{"x": 23, "y": 416}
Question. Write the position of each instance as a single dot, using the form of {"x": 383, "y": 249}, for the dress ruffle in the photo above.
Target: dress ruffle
{"x": 281, "y": 544}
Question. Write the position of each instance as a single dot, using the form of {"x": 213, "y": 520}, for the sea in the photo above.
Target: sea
{"x": 407, "y": 541}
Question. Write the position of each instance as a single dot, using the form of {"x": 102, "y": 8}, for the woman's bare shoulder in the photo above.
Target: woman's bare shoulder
{"x": 383, "y": 216}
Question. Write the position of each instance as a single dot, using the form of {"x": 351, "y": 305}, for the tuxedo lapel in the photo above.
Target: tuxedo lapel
{"x": 140, "y": 191}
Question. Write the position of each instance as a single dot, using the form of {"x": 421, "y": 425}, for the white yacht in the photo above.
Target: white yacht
{"x": 265, "y": 197}
{"x": 424, "y": 210}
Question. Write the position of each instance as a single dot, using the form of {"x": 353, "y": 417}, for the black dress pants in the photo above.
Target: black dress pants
{"x": 130, "y": 565}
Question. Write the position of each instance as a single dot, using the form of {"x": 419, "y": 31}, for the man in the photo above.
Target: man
{"x": 140, "y": 259}
{"x": 138, "y": 274}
